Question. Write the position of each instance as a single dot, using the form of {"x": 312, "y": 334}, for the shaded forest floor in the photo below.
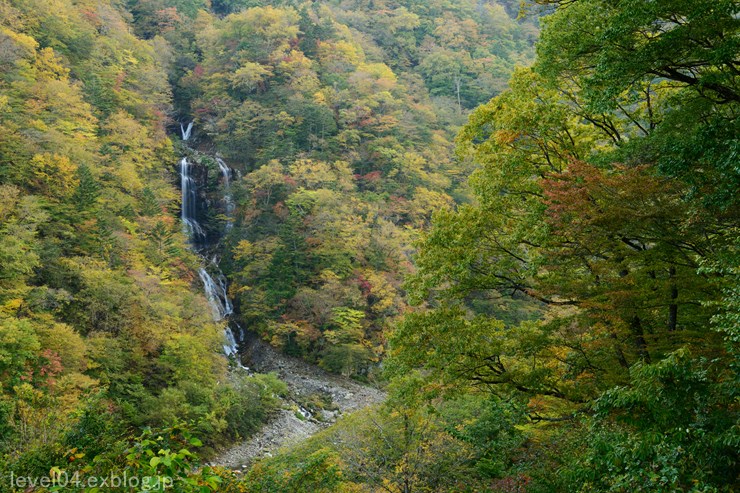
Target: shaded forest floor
{"x": 315, "y": 400}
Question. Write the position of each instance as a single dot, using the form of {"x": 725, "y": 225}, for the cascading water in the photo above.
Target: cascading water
{"x": 189, "y": 201}
{"x": 228, "y": 201}
{"x": 225, "y": 172}
{"x": 216, "y": 294}
{"x": 221, "y": 307}
{"x": 186, "y": 131}
{"x": 214, "y": 286}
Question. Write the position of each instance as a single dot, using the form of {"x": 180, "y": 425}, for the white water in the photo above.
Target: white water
{"x": 186, "y": 131}
{"x": 216, "y": 294}
{"x": 228, "y": 201}
{"x": 215, "y": 287}
{"x": 221, "y": 306}
{"x": 225, "y": 172}
{"x": 189, "y": 196}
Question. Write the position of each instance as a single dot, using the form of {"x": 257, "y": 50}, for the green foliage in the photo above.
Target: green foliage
{"x": 489, "y": 426}
{"x": 101, "y": 331}
{"x": 458, "y": 445}
{"x": 87, "y": 191}
{"x": 577, "y": 300}
{"x": 317, "y": 471}
{"x": 19, "y": 348}
{"x": 670, "y": 430}
{"x": 595, "y": 197}
{"x": 250, "y": 402}
{"x": 643, "y": 41}
{"x": 636, "y": 47}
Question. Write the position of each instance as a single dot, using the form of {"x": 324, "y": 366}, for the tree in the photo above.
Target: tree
{"x": 87, "y": 191}
{"x": 670, "y": 429}
{"x": 595, "y": 223}
{"x": 690, "y": 43}
{"x": 637, "y": 45}
{"x": 19, "y": 248}
{"x": 20, "y": 347}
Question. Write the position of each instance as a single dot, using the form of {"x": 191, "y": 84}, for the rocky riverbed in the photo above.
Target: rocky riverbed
{"x": 316, "y": 399}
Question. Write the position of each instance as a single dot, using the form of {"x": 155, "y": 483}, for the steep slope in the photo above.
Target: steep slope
{"x": 321, "y": 146}
{"x": 103, "y": 329}
{"x": 340, "y": 118}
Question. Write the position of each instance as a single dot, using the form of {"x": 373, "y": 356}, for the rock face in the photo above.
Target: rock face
{"x": 299, "y": 419}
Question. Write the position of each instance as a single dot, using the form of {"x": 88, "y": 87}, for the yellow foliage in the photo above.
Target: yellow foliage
{"x": 243, "y": 250}
{"x": 249, "y": 76}
{"x": 64, "y": 341}
{"x": 54, "y": 175}
{"x": 379, "y": 71}
{"x": 23, "y": 46}
{"x": 384, "y": 294}
{"x": 11, "y": 306}
{"x": 318, "y": 97}
{"x": 69, "y": 388}
{"x": 49, "y": 66}
{"x": 340, "y": 55}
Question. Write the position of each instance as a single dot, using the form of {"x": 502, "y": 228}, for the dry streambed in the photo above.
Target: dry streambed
{"x": 307, "y": 385}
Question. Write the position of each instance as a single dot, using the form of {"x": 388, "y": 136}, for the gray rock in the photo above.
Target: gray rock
{"x": 285, "y": 428}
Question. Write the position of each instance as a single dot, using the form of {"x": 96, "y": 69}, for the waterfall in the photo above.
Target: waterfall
{"x": 225, "y": 172}
{"x": 186, "y": 131}
{"x": 228, "y": 201}
{"x": 216, "y": 294}
{"x": 188, "y": 206}
{"x": 214, "y": 286}
{"x": 221, "y": 306}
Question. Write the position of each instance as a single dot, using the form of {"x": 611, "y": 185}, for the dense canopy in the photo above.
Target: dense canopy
{"x": 522, "y": 222}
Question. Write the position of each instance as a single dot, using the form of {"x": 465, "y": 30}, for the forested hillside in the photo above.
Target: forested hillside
{"x": 101, "y": 330}
{"x": 520, "y": 221}
{"x": 340, "y": 117}
{"x": 576, "y": 320}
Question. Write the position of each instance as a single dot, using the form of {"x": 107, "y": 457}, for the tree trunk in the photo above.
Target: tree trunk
{"x": 673, "y": 307}
{"x": 636, "y": 326}
{"x": 458, "y": 88}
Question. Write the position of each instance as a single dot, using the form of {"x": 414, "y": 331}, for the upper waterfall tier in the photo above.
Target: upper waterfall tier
{"x": 186, "y": 131}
